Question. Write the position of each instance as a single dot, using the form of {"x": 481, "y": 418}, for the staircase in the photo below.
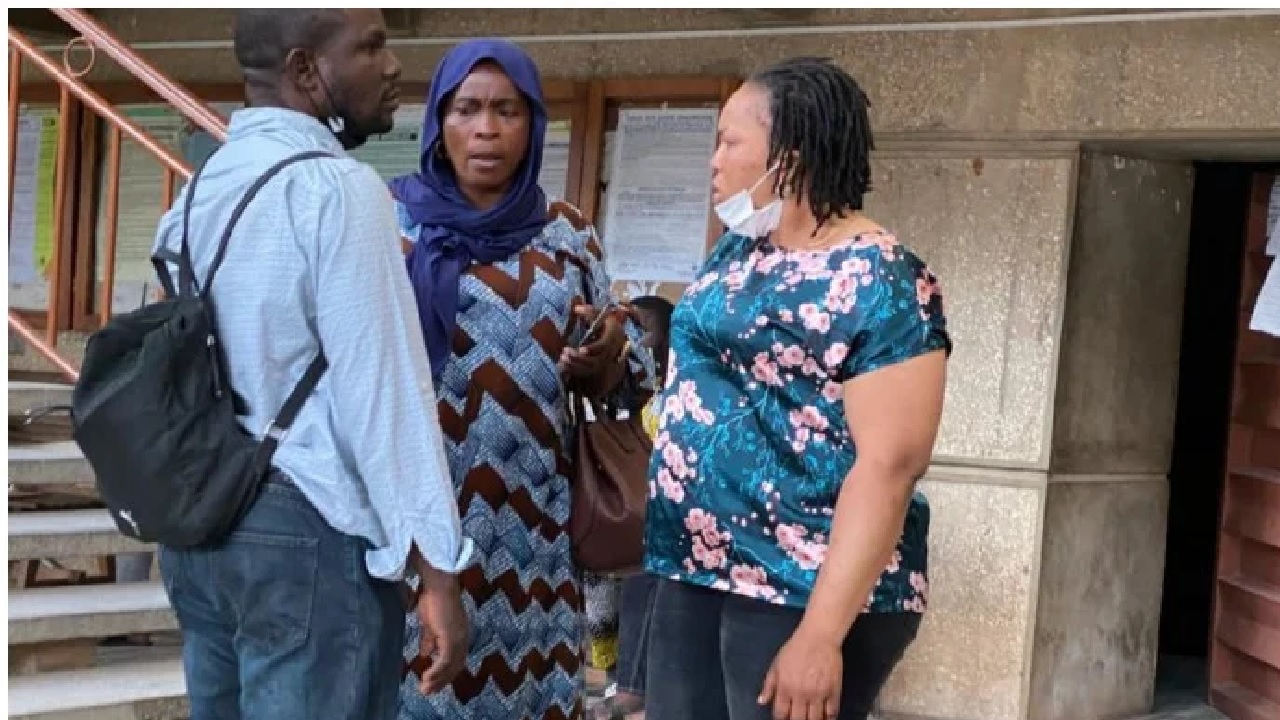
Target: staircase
{"x": 61, "y": 626}
{"x": 64, "y": 601}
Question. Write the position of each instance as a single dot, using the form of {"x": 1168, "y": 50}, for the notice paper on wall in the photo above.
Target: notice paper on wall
{"x": 554, "y": 177}
{"x": 1266, "y": 311}
{"x": 659, "y": 193}
{"x": 1273, "y": 219}
{"x": 31, "y": 226}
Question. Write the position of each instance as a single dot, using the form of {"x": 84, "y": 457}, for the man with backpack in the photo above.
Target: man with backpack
{"x": 272, "y": 423}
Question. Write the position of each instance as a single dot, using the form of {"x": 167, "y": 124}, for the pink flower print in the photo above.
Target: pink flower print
{"x": 703, "y": 416}
{"x": 792, "y": 357}
{"x": 766, "y": 371}
{"x": 766, "y": 487}
{"x": 809, "y": 555}
{"x": 814, "y": 318}
{"x": 715, "y": 559}
{"x": 813, "y": 418}
{"x": 790, "y": 536}
{"x": 924, "y": 291}
{"x": 689, "y": 395}
{"x": 915, "y": 605}
{"x": 835, "y": 356}
{"x": 842, "y": 286}
{"x": 831, "y": 391}
{"x": 721, "y": 585}
{"x": 919, "y": 583}
{"x": 786, "y": 315}
{"x": 661, "y": 441}
{"x": 768, "y": 262}
{"x": 856, "y": 266}
{"x": 673, "y": 408}
{"x": 839, "y": 305}
{"x": 671, "y": 454}
{"x": 698, "y": 520}
{"x": 810, "y": 367}
{"x": 653, "y": 489}
{"x": 689, "y": 567}
{"x": 812, "y": 264}
{"x": 752, "y": 582}
{"x": 735, "y": 280}
{"x": 671, "y": 488}
{"x": 792, "y": 278}
{"x": 801, "y": 440}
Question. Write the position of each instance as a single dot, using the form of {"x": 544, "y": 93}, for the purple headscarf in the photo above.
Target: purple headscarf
{"x": 454, "y": 233}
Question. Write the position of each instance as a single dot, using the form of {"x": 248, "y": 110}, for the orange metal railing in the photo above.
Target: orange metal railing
{"x": 71, "y": 87}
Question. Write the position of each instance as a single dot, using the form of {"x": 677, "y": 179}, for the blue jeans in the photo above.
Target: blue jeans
{"x": 281, "y": 620}
{"x": 709, "y": 652}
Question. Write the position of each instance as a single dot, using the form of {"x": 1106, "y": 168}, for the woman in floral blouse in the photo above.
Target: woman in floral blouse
{"x": 805, "y": 387}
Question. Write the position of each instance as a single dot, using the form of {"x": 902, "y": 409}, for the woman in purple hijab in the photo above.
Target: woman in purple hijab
{"x": 507, "y": 289}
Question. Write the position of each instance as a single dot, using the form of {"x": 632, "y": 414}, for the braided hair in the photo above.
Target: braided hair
{"x": 820, "y": 134}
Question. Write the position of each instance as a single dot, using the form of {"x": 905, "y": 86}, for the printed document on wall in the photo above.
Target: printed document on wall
{"x": 31, "y": 216}
{"x": 554, "y": 177}
{"x": 659, "y": 193}
{"x": 1266, "y": 311}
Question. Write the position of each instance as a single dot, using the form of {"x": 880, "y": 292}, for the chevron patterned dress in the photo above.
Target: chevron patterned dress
{"x": 502, "y": 408}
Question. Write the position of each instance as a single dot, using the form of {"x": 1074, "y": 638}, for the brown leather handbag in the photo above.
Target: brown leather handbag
{"x": 610, "y": 490}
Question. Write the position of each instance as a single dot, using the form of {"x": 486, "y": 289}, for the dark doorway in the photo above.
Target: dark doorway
{"x": 1211, "y": 314}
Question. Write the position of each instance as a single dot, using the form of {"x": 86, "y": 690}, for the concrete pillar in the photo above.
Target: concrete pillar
{"x": 994, "y": 222}
{"x": 1101, "y": 573}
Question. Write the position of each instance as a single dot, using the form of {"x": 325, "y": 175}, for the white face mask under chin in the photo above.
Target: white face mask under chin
{"x": 739, "y": 213}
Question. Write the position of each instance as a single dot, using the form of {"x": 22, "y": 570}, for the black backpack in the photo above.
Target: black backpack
{"x": 155, "y": 416}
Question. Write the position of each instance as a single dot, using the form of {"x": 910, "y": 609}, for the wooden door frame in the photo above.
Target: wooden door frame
{"x": 1244, "y": 643}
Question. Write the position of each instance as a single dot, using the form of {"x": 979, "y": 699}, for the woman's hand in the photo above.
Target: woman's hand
{"x": 595, "y": 367}
{"x": 805, "y": 679}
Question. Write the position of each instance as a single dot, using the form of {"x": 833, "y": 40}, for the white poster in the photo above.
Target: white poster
{"x": 31, "y": 225}
{"x": 659, "y": 193}
{"x": 554, "y": 177}
{"x": 1266, "y": 311}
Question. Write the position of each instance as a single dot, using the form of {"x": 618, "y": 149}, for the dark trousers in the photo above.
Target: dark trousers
{"x": 634, "y": 614}
{"x": 709, "y": 652}
{"x": 283, "y": 621}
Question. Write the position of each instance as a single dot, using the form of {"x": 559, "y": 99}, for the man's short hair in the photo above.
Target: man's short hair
{"x": 263, "y": 38}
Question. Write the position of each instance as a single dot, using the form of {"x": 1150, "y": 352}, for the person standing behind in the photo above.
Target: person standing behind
{"x": 299, "y": 613}
{"x": 625, "y": 696}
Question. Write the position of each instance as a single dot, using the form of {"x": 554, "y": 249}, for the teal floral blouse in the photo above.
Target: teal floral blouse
{"x": 753, "y": 446}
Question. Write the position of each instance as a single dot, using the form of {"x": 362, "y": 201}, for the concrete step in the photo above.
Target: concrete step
{"x": 67, "y": 533}
{"x": 154, "y": 690}
{"x": 24, "y": 395}
{"x": 88, "y": 611}
{"x": 58, "y": 463}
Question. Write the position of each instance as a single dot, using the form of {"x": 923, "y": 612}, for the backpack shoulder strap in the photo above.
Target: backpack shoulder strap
{"x": 244, "y": 203}
{"x": 279, "y": 427}
{"x": 182, "y": 259}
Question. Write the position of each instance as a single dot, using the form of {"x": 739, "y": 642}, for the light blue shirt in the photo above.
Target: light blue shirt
{"x": 316, "y": 262}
